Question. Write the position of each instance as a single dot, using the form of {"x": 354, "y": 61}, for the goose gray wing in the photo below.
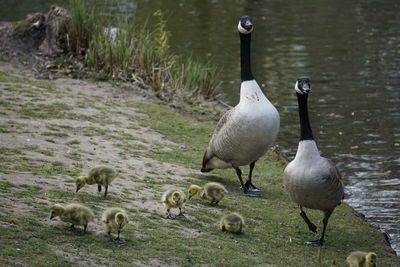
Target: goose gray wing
{"x": 209, "y": 154}
{"x": 336, "y": 178}
{"x": 334, "y": 189}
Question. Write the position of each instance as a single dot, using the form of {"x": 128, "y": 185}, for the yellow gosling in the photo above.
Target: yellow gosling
{"x": 114, "y": 219}
{"x": 232, "y": 222}
{"x": 76, "y": 214}
{"x": 100, "y": 175}
{"x": 174, "y": 198}
{"x": 361, "y": 259}
{"x": 214, "y": 192}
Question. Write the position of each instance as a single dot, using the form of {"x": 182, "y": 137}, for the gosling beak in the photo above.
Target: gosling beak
{"x": 77, "y": 189}
{"x": 51, "y": 216}
{"x": 189, "y": 197}
{"x": 120, "y": 225}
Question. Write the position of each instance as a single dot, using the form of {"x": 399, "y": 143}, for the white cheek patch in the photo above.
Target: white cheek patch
{"x": 296, "y": 87}
{"x": 243, "y": 30}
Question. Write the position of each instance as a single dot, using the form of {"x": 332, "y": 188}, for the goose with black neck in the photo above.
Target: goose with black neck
{"x": 247, "y": 131}
{"x": 312, "y": 181}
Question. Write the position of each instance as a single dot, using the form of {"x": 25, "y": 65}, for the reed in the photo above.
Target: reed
{"x": 122, "y": 49}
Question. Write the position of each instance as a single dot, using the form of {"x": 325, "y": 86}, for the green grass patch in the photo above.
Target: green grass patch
{"x": 9, "y": 78}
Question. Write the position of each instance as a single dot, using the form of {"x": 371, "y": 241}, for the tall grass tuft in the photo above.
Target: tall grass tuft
{"x": 84, "y": 24}
{"x": 122, "y": 49}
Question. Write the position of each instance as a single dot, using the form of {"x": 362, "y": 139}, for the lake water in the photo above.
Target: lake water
{"x": 349, "y": 49}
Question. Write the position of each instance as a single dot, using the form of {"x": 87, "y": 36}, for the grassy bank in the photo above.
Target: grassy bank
{"x": 53, "y": 131}
{"x": 121, "y": 48}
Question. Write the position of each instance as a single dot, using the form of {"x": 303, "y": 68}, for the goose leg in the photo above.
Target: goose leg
{"x": 311, "y": 226}
{"x": 99, "y": 188}
{"x": 249, "y": 185}
{"x": 320, "y": 242}
{"x": 245, "y": 190}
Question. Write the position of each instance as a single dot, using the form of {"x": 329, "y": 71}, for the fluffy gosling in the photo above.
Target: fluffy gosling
{"x": 114, "y": 219}
{"x": 174, "y": 198}
{"x": 232, "y": 222}
{"x": 100, "y": 175}
{"x": 214, "y": 192}
{"x": 361, "y": 259}
{"x": 76, "y": 214}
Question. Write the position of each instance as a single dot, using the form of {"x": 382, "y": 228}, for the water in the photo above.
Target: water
{"x": 349, "y": 49}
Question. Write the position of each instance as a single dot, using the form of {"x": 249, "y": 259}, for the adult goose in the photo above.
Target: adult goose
{"x": 246, "y": 132}
{"x": 312, "y": 181}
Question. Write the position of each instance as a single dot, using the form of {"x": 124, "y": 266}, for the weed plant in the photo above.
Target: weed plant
{"x": 120, "y": 48}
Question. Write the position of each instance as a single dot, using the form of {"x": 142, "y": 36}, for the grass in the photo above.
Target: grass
{"x": 126, "y": 50}
{"x": 274, "y": 231}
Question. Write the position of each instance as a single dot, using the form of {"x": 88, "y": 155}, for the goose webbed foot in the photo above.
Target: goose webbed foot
{"x": 248, "y": 193}
{"x": 117, "y": 241}
{"x": 250, "y": 187}
{"x": 316, "y": 243}
{"x": 80, "y": 233}
{"x": 70, "y": 228}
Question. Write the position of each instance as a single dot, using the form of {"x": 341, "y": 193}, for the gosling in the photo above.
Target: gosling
{"x": 114, "y": 219}
{"x": 100, "y": 175}
{"x": 76, "y": 214}
{"x": 174, "y": 198}
{"x": 361, "y": 259}
{"x": 214, "y": 192}
{"x": 232, "y": 223}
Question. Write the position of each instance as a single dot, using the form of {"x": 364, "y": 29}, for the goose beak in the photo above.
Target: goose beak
{"x": 77, "y": 189}
{"x": 306, "y": 88}
{"x": 189, "y": 197}
{"x": 51, "y": 216}
{"x": 248, "y": 25}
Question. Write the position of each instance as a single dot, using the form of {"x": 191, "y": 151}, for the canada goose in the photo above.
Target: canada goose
{"x": 100, "y": 175}
{"x": 114, "y": 219}
{"x": 246, "y": 132}
{"x": 361, "y": 259}
{"x": 76, "y": 214}
{"x": 210, "y": 191}
{"x": 312, "y": 181}
{"x": 174, "y": 198}
{"x": 232, "y": 222}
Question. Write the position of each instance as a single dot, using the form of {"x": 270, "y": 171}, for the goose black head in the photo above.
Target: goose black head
{"x": 245, "y": 25}
{"x": 303, "y": 85}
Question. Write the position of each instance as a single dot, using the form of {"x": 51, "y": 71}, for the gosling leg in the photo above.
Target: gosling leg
{"x": 244, "y": 188}
{"x": 311, "y": 226}
{"x": 168, "y": 214}
{"x": 80, "y": 233}
{"x": 181, "y": 213}
{"x": 249, "y": 185}
{"x": 320, "y": 242}
{"x": 105, "y": 191}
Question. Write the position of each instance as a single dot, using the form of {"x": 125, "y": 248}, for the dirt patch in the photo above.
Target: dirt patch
{"x": 74, "y": 126}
